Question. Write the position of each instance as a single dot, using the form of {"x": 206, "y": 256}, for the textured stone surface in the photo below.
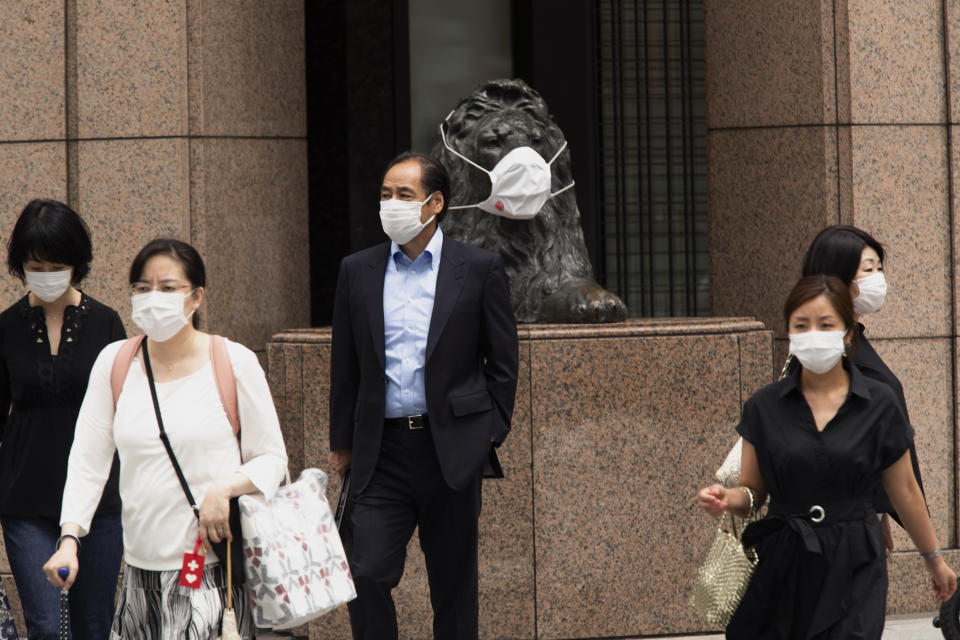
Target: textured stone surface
{"x": 900, "y": 197}
{"x": 27, "y": 171}
{"x": 584, "y": 471}
{"x": 780, "y": 54}
{"x": 129, "y": 192}
{"x": 931, "y": 407}
{"x": 953, "y": 41}
{"x": 131, "y": 68}
{"x": 896, "y": 67}
{"x": 32, "y": 96}
{"x": 771, "y": 191}
{"x": 249, "y": 214}
{"x": 247, "y": 68}
{"x": 603, "y": 438}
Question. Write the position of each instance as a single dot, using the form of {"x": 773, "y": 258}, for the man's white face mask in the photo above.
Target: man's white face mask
{"x": 520, "y": 182}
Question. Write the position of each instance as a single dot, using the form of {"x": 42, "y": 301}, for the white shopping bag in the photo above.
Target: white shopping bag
{"x": 294, "y": 561}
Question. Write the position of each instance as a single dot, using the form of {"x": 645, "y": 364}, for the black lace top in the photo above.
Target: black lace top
{"x": 40, "y": 397}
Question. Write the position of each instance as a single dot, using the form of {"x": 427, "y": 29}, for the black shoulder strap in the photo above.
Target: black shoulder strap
{"x": 163, "y": 434}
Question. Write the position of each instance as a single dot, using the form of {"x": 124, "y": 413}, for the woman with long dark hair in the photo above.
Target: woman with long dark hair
{"x": 856, "y": 258}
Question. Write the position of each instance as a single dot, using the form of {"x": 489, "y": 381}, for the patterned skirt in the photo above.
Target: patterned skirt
{"x": 153, "y": 606}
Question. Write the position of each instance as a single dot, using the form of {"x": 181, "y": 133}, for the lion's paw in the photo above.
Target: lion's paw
{"x": 582, "y": 301}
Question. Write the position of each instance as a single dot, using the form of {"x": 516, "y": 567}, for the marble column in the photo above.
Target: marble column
{"x": 841, "y": 112}
{"x": 183, "y": 118}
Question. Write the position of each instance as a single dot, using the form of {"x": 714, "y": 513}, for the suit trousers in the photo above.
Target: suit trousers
{"x": 408, "y": 490}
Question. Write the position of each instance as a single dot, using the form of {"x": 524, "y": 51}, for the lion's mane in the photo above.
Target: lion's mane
{"x": 539, "y": 254}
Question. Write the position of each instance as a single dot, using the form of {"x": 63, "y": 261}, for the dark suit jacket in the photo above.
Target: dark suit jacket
{"x": 471, "y": 361}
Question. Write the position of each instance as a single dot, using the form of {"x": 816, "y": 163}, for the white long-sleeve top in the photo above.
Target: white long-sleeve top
{"x": 158, "y": 524}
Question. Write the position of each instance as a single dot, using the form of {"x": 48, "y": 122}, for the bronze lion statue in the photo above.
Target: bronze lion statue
{"x": 551, "y": 279}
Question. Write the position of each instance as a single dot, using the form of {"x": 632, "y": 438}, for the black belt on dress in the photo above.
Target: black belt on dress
{"x": 413, "y": 423}
{"x": 803, "y": 519}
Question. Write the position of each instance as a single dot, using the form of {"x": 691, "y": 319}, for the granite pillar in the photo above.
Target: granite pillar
{"x": 183, "y": 118}
{"x": 842, "y": 113}
{"x": 587, "y": 536}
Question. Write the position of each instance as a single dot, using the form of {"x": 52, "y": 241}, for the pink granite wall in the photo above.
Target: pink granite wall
{"x": 829, "y": 112}
{"x": 595, "y": 531}
{"x": 183, "y": 118}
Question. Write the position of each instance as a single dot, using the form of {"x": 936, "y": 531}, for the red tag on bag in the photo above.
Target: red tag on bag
{"x": 192, "y": 570}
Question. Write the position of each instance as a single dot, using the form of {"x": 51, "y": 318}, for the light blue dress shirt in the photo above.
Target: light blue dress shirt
{"x": 409, "y": 288}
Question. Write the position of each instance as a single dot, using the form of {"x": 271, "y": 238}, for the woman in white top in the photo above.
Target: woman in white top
{"x": 167, "y": 281}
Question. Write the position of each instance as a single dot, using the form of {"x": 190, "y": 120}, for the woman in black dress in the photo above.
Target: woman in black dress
{"x": 855, "y": 257}
{"x": 819, "y": 442}
{"x": 49, "y": 340}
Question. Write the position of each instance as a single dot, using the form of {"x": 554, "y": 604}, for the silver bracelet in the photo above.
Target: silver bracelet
{"x": 69, "y": 535}
{"x": 749, "y": 492}
{"x": 930, "y": 555}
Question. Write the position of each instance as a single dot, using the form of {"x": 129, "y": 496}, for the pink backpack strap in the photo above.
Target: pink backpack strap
{"x": 226, "y": 383}
{"x": 121, "y": 365}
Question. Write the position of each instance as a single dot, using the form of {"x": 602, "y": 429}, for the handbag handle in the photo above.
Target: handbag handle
{"x": 163, "y": 433}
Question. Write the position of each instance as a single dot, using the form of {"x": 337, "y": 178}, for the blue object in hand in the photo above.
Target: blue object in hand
{"x": 63, "y": 572}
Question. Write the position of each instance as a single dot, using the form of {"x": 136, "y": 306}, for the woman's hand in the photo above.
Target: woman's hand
{"x": 713, "y": 499}
{"x": 942, "y": 577}
{"x": 887, "y": 533}
{"x": 215, "y": 514}
{"x": 65, "y": 556}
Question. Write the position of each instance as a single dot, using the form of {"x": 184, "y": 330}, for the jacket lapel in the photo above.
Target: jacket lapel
{"x": 449, "y": 284}
{"x": 374, "y": 293}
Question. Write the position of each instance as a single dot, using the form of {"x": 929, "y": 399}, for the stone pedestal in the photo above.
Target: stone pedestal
{"x": 595, "y": 531}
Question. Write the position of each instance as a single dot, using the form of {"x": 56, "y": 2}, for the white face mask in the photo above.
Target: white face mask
{"x": 520, "y": 183}
{"x": 873, "y": 291}
{"x": 48, "y": 285}
{"x": 160, "y": 313}
{"x": 401, "y": 219}
{"x": 818, "y": 351}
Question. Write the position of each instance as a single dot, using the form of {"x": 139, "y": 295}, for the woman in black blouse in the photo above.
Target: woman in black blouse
{"x": 49, "y": 340}
{"x": 819, "y": 441}
{"x": 855, "y": 257}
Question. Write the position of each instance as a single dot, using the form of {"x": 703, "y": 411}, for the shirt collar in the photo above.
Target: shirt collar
{"x": 431, "y": 253}
{"x": 858, "y": 383}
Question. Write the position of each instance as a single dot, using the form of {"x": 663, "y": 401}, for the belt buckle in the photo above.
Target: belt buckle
{"x": 415, "y": 423}
{"x": 817, "y": 513}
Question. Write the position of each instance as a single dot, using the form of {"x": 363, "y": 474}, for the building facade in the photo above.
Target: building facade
{"x": 710, "y": 141}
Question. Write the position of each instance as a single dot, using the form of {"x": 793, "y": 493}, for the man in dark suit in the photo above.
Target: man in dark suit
{"x": 422, "y": 381}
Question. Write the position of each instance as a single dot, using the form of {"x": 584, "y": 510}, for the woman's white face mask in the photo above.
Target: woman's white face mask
{"x": 159, "y": 313}
{"x": 818, "y": 351}
{"x": 873, "y": 291}
{"x": 48, "y": 285}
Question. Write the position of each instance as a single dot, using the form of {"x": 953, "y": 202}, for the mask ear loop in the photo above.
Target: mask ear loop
{"x": 555, "y": 156}
{"x": 443, "y": 136}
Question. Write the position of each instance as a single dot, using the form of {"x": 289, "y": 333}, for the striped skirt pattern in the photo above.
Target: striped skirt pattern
{"x": 152, "y": 605}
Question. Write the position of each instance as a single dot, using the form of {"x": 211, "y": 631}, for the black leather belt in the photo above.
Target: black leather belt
{"x": 412, "y": 423}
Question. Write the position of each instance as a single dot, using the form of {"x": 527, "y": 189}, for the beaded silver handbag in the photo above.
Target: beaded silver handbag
{"x": 725, "y": 573}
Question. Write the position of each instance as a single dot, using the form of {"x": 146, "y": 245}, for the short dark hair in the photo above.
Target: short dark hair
{"x": 836, "y": 291}
{"x": 433, "y": 177}
{"x": 185, "y": 254}
{"x": 51, "y": 231}
{"x": 836, "y": 252}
